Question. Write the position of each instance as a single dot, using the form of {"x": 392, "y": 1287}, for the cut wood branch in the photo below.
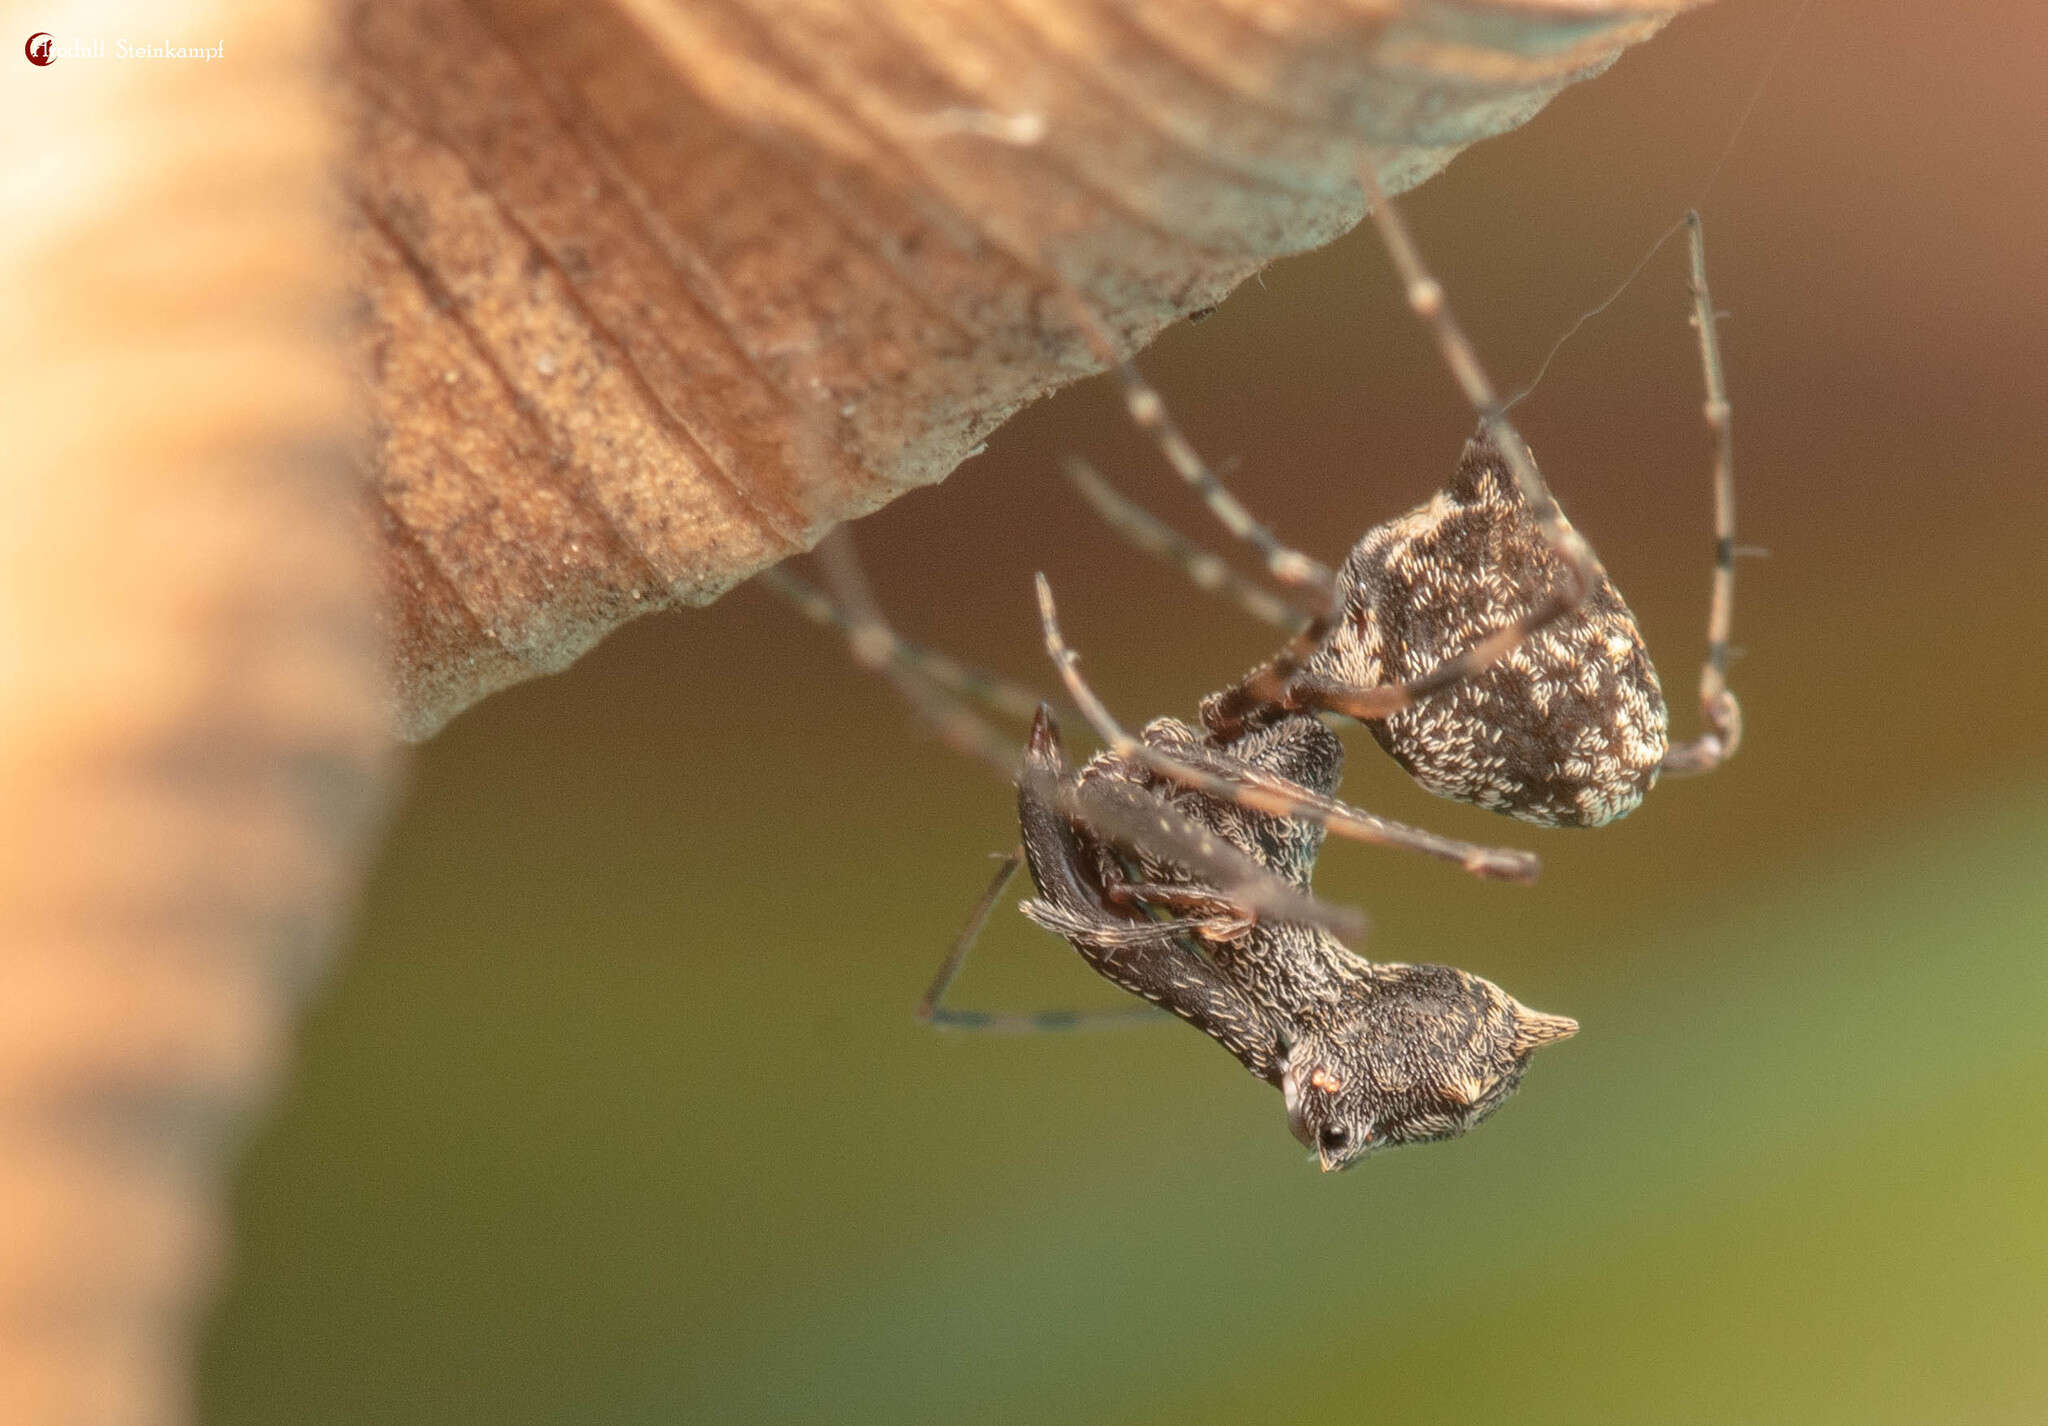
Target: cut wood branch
{"x": 655, "y": 292}
{"x": 192, "y": 746}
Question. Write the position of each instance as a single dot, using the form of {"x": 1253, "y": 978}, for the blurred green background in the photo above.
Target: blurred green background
{"x": 615, "y": 1110}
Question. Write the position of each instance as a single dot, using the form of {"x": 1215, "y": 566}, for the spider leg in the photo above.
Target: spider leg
{"x": 1278, "y": 683}
{"x": 1718, "y": 708}
{"x": 1306, "y": 575}
{"x": 878, "y": 647}
{"x": 933, "y": 1010}
{"x": 961, "y": 680}
{"x": 1204, "y": 913}
{"x": 1369, "y": 704}
{"x": 1204, "y": 569}
{"x": 1426, "y": 297}
{"x": 1237, "y": 782}
{"x": 1265, "y": 791}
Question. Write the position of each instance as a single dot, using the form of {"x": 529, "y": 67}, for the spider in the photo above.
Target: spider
{"x": 1481, "y": 642}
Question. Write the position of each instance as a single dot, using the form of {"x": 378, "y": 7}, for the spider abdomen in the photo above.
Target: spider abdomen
{"x": 1568, "y": 729}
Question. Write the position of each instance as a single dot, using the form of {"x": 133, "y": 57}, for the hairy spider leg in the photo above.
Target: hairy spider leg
{"x": 1229, "y": 780}
{"x": 877, "y": 647}
{"x": 1203, "y": 568}
{"x": 965, "y": 681}
{"x": 1718, "y": 708}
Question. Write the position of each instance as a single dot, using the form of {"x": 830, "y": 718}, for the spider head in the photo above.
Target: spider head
{"x": 1407, "y": 1055}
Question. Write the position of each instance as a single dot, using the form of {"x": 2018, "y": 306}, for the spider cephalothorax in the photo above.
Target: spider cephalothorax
{"x": 1366, "y": 1056}
{"x": 1405, "y": 1055}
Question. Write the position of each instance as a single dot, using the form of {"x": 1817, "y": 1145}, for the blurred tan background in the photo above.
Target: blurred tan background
{"x": 617, "y": 1111}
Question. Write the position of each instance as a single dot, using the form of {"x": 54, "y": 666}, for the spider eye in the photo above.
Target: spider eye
{"x": 1334, "y": 1139}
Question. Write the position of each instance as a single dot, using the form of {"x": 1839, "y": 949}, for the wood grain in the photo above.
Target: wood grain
{"x": 655, "y": 292}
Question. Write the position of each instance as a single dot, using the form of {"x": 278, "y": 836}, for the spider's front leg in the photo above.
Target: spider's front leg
{"x": 1108, "y": 918}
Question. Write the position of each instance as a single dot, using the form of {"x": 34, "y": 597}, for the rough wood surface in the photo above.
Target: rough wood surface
{"x": 654, "y": 292}
{"x": 191, "y": 740}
